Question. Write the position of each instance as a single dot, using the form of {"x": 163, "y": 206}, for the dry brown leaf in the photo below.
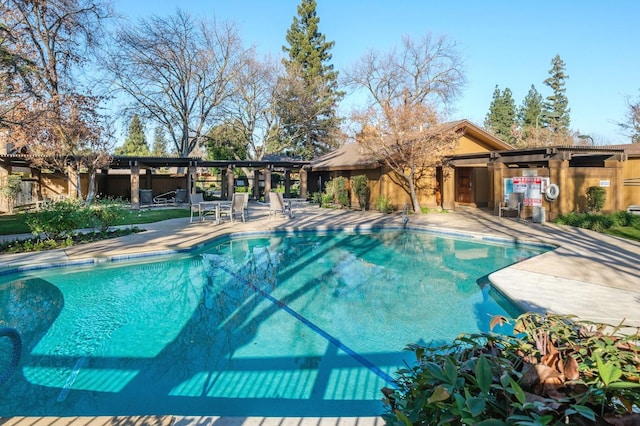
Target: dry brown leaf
{"x": 571, "y": 368}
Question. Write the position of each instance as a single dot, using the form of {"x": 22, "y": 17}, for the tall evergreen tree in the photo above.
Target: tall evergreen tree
{"x": 557, "y": 105}
{"x": 136, "y": 143}
{"x": 308, "y": 98}
{"x": 226, "y": 141}
{"x": 530, "y": 114}
{"x": 531, "y": 108}
{"x": 159, "y": 148}
{"x": 501, "y": 118}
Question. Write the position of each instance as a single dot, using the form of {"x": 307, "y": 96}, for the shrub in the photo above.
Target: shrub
{"x": 555, "y": 371}
{"x": 595, "y": 198}
{"x": 316, "y": 198}
{"x": 59, "y": 219}
{"x": 341, "y": 194}
{"x": 105, "y": 213}
{"x": 596, "y": 222}
{"x": 336, "y": 192}
{"x": 360, "y": 187}
{"x": 624, "y": 218}
{"x": 326, "y": 200}
{"x": 383, "y": 204}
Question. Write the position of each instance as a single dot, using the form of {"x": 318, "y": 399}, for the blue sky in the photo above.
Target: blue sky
{"x": 508, "y": 43}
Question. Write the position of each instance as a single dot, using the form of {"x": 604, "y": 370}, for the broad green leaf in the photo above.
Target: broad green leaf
{"x": 439, "y": 394}
{"x": 608, "y": 371}
{"x": 460, "y": 404}
{"x": 476, "y": 406}
{"x": 435, "y": 371}
{"x": 583, "y": 411}
{"x": 517, "y": 391}
{"x": 451, "y": 371}
{"x": 483, "y": 374}
{"x": 403, "y": 418}
{"x": 624, "y": 385}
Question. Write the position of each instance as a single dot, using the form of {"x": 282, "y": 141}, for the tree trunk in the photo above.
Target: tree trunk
{"x": 412, "y": 193}
{"x": 91, "y": 189}
{"x": 78, "y": 184}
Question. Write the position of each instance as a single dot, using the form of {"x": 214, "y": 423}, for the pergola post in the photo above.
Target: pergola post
{"x": 135, "y": 185}
{"x": 287, "y": 183}
{"x": 558, "y": 169}
{"x": 303, "y": 182}
{"x": 256, "y": 184}
{"x": 267, "y": 181}
{"x": 230, "y": 181}
{"x": 496, "y": 184}
{"x": 191, "y": 178}
{"x": 223, "y": 184}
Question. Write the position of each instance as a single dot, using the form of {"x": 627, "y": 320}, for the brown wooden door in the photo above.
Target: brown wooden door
{"x": 465, "y": 193}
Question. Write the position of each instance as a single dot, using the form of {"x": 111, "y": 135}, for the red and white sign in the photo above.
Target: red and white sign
{"x": 531, "y": 186}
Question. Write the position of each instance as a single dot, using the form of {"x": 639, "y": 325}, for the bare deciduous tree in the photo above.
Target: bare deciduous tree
{"x": 631, "y": 126}
{"x": 179, "y": 71}
{"x": 48, "y": 110}
{"x": 406, "y": 88}
{"x": 253, "y": 105}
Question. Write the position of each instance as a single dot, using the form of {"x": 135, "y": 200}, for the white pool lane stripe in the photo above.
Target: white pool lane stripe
{"x": 72, "y": 378}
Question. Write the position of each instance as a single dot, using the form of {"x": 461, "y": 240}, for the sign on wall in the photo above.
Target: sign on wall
{"x": 532, "y": 187}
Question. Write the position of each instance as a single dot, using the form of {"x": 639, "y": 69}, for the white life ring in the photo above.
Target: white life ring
{"x": 552, "y": 192}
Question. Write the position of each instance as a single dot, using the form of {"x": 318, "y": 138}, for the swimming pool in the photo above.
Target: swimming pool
{"x": 279, "y": 325}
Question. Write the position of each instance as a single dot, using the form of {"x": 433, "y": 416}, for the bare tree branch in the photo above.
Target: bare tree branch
{"x": 178, "y": 71}
{"x": 401, "y": 126}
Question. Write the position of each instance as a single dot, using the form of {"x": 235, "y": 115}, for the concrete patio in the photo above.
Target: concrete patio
{"x": 591, "y": 275}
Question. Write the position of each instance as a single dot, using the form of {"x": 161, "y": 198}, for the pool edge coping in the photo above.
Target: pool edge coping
{"x": 29, "y": 266}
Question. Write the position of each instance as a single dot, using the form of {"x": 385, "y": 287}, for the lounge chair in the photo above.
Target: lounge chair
{"x": 277, "y": 205}
{"x": 236, "y": 208}
{"x": 514, "y": 204}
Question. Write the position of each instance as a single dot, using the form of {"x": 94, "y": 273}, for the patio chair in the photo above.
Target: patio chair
{"x": 514, "y": 204}
{"x": 198, "y": 205}
{"x": 236, "y": 208}
{"x": 245, "y": 202}
{"x": 277, "y": 205}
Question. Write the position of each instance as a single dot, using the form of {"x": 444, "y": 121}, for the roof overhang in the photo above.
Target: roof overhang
{"x": 126, "y": 162}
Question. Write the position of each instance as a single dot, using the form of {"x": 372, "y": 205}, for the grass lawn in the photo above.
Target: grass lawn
{"x": 14, "y": 224}
{"x": 625, "y": 232}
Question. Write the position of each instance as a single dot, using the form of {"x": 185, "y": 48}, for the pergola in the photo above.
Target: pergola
{"x": 134, "y": 164}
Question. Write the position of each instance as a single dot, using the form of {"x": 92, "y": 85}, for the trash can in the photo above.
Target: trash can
{"x": 181, "y": 196}
{"x": 146, "y": 196}
{"x": 539, "y": 214}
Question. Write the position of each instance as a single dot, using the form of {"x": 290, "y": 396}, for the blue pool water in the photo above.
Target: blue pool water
{"x": 284, "y": 325}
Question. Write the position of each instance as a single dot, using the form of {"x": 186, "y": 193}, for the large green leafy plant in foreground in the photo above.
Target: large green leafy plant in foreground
{"x": 554, "y": 371}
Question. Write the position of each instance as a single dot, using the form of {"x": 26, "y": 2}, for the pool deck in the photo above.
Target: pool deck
{"x": 593, "y": 276}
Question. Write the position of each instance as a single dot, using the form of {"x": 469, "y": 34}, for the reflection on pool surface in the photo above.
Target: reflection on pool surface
{"x": 284, "y": 325}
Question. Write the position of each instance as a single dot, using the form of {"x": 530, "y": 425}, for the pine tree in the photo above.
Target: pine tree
{"x": 136, "y": 143}
{"x": 530, "y": 115}
{"x": 531, "y": 108}
{"x": 501, "y": 118}
{"x": 557, "y": 105}
{"x": 308, "y": 98}
{"x": 159, "y": 148}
